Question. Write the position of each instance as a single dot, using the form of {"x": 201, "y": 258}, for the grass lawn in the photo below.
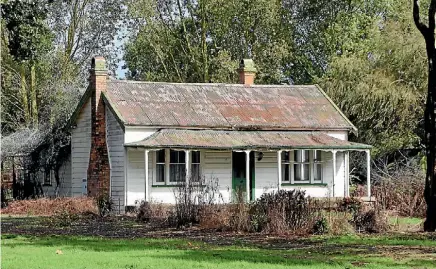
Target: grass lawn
{"x": 417, "y": 251}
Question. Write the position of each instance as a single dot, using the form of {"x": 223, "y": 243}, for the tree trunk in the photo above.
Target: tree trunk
{"x": 24, "y": 99}
{"x": 33, "y": 96}
{"x": 430, "y": 182}
{"x": 428, "y": 32}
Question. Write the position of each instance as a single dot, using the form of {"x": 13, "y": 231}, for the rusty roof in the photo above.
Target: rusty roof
{"x": 221, "y": 139}
{"x": 224, "y": 106}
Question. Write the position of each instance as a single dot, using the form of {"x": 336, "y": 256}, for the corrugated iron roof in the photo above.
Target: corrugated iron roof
{"x": 224, "y": 106}
{"x": 220, "y": 139}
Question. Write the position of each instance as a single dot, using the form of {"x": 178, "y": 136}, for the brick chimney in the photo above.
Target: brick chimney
{"x": 98, "y": 168}
{"x": 247, "y": 72}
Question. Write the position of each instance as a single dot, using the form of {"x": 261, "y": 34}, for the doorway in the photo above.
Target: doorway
{"x": 239, "y": 175}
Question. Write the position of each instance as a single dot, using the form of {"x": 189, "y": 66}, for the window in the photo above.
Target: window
{"x": 195, "y": 166}
{"x": 301, "y": 165}
{"x": 286, "y": 166}
{"x": 177, "y": 166}
{"x": 160, "y": 166}
{"x": 47, "y": 177}
{"x": 317, "y": 166}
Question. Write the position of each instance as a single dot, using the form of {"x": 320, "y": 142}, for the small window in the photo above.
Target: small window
{"x": 195, "y": 166}
{"x": 286, "y": 166}
{"x": 317, "y": 166}
{"x": 301, "y": 165}
{"x": 160, "y": 166}
{"x": 177, "y": 166}
{"x": 47, "y": 177}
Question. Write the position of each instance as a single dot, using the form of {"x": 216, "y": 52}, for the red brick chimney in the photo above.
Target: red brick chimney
{"x": 98, "y": 168}
{"x": 247, "y": 72}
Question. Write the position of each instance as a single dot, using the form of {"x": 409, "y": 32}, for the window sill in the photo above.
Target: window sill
{"x": 170, "y": 185}
{"x": 305, "y": 184}
{"x": 162, "y": 186}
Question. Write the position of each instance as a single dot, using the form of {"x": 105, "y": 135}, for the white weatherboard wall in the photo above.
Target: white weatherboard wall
{"x": 136, "y": 175}
{"x": 218, "y": 165}
{"x": 137, "y": 134}
{"x": 266, "y": 176}
{"x": 115, "y": 144}
{"x": 214, "y": 165}
{"x": 342, "y": 135}
{"x": 80, "y": 149}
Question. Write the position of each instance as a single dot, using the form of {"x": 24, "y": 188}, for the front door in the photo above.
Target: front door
{"x": 239, "y": 177}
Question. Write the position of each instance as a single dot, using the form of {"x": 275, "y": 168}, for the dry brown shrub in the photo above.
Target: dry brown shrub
{"x": 404, "y": 195}
{"x": 339, "y": 223}
{"x": 156, "y": 213}
{"x": 240, "y": 217}
{"x": 371, "y": 221}
{"x": 50, "y": 207}
{"x": 215, "y": 217}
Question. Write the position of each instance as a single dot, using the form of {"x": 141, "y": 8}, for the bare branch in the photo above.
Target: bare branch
{"x": 416, "y": 18}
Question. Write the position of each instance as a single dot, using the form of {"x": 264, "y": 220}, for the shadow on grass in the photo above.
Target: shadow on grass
{"x": 311, "y": 255}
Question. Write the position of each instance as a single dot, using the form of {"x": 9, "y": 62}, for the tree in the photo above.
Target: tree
{"x": 203, "y": 41}
{"x": 83, "y": 29}
{"x": 28, "y": 39}
{"x": 428, "y": 32}
{"x": 378, "y": 80}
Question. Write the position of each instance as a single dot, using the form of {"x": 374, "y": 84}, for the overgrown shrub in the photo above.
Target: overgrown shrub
{"x": 283, "y": 211}
{"x": 215, "y": 217}
{"x": 399, "y": 187}
{"x": 191, "y": 197}
{"x": 104, "y": 204}
{"x": 321, "y": 226}
{"x": 240, "y": 214}
{"x": 144, "y": 211}
{"x": 371, "y": 221}
{"x": 350, "y": 204}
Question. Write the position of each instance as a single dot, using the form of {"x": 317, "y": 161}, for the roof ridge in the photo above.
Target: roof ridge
{"x": 212, "y": 84}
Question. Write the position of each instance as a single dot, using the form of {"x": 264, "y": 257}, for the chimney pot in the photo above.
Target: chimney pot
{"x": 247, "y": 72}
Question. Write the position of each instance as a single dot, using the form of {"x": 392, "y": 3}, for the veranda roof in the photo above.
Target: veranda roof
{"x": 238, "y": 140}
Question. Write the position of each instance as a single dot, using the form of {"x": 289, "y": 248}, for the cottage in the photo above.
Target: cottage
{"x": 137, "y": 140}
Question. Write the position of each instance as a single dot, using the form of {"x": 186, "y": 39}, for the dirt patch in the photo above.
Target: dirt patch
{"x": 127, "y": 227}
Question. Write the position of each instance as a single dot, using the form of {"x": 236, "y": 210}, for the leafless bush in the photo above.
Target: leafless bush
{"x": 400, "y": 188}
{"x": 215, "y": 217}
{"x": 192, "y": 196}
{"x": 284, "y": 211}
{"x": 338, "y": 223}
{"x": 158, "y": 214}
{"x": 240, "y": 219}
{"x": 371, "y": 221}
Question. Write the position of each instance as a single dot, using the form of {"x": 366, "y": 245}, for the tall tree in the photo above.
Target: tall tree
{"x": 83, "y": 29}
{"x": 428, "y": 32}
{"x": 202, "y": 41}
{"x": 28, "y": 39}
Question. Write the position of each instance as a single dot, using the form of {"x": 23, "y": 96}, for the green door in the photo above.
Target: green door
{"x": 239, "y": 177}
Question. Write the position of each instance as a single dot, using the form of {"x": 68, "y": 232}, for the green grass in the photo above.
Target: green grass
{"x": 318, "y": 252}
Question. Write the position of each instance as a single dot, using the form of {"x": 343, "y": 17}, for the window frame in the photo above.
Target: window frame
{"x": 302, "y": 163}
{"x": 48, "y": 175}
{"x": 317, "y": 163}
{"x": 167, "y": 164}
{"x": 178, "y": 163}
{"x": 156, "y": 163}
{"x": 311, "y": 162}
{"x": 192, "y": 163}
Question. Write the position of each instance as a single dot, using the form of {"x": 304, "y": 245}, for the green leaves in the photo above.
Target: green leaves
{"x": 380, "y": 83}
